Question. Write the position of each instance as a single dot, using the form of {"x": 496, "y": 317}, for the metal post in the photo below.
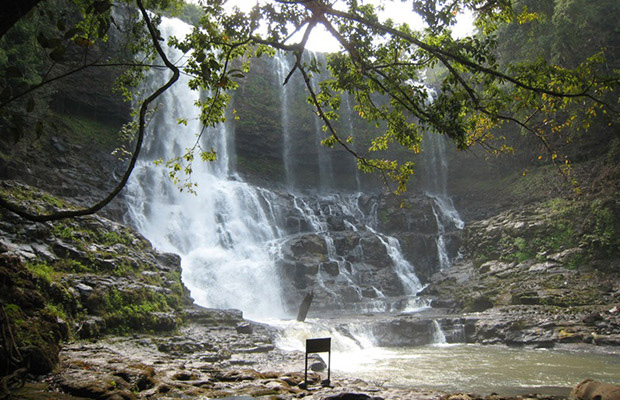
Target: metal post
{"x": 306, "y": 372}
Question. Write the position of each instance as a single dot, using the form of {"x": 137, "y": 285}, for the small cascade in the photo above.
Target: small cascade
{"x": 347, "y": 114}
{"x": 402, "y": 267}
{"x": 324, "y": 160}
{"x": 282, "y": 69}
{"x": 351, "y": 273}
{"x": 446, "y": 215}
{"x": 346, "y": 339}
{"x": 438, "y": 337}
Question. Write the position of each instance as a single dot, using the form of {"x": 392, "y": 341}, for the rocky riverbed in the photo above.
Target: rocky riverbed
{"x": 231, "y": 359}
{"x": 91, "y": 310}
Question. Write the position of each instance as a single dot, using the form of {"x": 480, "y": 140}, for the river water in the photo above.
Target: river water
{"x": 481, "y": 369}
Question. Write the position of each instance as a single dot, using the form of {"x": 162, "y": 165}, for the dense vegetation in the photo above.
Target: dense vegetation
{"x": 522, "y": 72}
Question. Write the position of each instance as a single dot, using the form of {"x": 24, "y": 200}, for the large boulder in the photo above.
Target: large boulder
{"x": 592, "y": 390}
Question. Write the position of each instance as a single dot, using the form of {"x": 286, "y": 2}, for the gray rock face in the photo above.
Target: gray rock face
{"x": 353, "y": 250}
{"x": 526, "y": 287}
{"x": 85, "y": 278}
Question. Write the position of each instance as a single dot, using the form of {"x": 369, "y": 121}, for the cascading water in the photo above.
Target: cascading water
{"x": 282, "y": 70}
{"x": 438, "y": 337}
{"x": 326, "y": 174}
{"x": 347, "y": 115}
{"x": 223, "y": 232}
{"x": 251, "y": 248}
{"x": 444, "y": 211}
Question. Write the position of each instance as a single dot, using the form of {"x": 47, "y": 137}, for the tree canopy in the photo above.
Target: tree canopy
{"x": 523, "y": 66}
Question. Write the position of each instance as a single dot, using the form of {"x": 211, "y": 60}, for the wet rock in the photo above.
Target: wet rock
{"x": 185, "y": 376}
{"x": 92, "y": 327}
{"x": 352, "y": 396}
{"x": 139, "y": 376}
{"x": 592, "y": 318}
{"x": 213, "y": 317}
{"x": 316, "y": 363}
{"x": 402, "y": 332}
{"x": 177, "y": 345}
{"x": 237, "y": 375}
{"x": 265, "y": 348}
{"x": 85, "y": 383}
{"x": 162, "y": 321}
{"x": 479, "y": 303}
{"x": 592, "y": 390}
{"x": 244, "y": 328}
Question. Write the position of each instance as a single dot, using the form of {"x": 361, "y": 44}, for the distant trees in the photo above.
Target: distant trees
{"x": 525, "y": 67}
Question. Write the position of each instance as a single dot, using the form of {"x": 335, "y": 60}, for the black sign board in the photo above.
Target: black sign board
{"x": 321, "y": 345}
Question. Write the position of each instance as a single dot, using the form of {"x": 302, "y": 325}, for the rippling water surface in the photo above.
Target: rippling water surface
{"x": 480, "y": 369}
{"x": 457, "y": 367}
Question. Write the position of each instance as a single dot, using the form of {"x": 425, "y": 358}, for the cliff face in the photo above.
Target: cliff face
{"x": 77, "y": 278}
{"x": 539, "y": 274}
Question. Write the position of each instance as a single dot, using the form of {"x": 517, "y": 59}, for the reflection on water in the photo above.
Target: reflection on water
{"x": 481, "y": 369}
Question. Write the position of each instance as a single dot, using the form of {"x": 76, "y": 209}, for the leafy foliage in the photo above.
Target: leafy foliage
{"x": 477, "y": 89}
{"x": 482, "y": 83}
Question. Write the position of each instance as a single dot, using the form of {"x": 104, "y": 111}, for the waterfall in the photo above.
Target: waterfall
{"x": 223, "y": 233}
{"x": 446, "y": 215}
{"x": 252, "y": 248}
{"x": 282, "y": 70}
{"x": 358, "y": 268}
{"x": 437, "y": 337}
{"x": 326, "y": 174}
{"x": 348, "y": 119}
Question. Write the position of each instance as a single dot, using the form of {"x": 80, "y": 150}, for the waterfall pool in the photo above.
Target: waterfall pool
{"x": 480, "y": 369}
{"x": 470, "y": 368}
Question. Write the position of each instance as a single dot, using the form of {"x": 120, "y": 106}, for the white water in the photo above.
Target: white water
{"x": 451, "y": 367}
{"x": 444, "y": 211}
{"x": 439, "y": 338}
{"x": 348, "y": 206}
{"x": 348, "y": 118}
{"x": 326, "y": 172}
{"x": 223, "y": 233}
{"x": 282, "y": 71}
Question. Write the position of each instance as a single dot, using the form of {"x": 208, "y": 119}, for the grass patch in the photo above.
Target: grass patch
{"x": 41, "y": 271}
{"x": 32, "y": 199}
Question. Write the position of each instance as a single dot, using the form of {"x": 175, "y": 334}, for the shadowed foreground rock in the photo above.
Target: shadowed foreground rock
{"x": 593, "y": 390}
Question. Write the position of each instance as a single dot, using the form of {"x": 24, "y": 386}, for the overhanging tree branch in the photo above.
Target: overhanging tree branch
{"x": 443, "y": 55}
{"x": 141, "y": 127}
